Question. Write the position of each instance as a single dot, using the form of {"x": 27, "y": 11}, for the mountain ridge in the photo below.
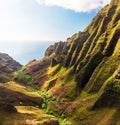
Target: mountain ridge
{"x": 78, "y": 50}
{"x": 78, "y": 81}
{"x": 86, "y": 63}
{"x": 7, "y": 66}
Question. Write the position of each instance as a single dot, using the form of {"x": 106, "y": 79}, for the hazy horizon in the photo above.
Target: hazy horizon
{"x": 24, "y": 24}
{"x": 25, "y": 52}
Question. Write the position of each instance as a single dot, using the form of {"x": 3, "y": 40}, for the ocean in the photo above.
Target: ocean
{"x": 25, "y": 51}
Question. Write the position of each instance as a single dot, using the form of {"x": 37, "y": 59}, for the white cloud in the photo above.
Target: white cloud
{"x": 76, "y": 5}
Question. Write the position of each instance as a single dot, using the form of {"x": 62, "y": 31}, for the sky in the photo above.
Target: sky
{"x": 24, "y": 52}
{"x": 26, "y": 24}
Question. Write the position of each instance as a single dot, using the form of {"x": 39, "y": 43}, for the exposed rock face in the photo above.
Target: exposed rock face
{"x": 55, "y": 49}
{"x": 51, "y": 53}
{"x": 36, "y": 65}
{"x": 7, "y": 66}
{"x": 37, "y": 68}
{"x": 54, "y": 52}
{"x": 115, "y": 1}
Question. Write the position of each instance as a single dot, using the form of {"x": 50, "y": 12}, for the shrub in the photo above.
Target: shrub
{"x": 21, "y": 76}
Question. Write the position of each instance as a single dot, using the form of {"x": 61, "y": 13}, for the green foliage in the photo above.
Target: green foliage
{"x": 64, "y": 121}
{"x": 21, "y": 76}
{"x": 44, "y": 105}
{"x": 46, "y": 99}
{"x": 113, "y": 86}
{"x": 25, "y": 89}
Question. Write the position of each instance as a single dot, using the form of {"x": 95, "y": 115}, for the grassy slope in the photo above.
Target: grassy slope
{"x": 80, "y": 112}
{"x": 61, "y": 83}
{"x": 61, "y": 97}
{"x": 27, "y": 90}
{"x": 26, "y": 114}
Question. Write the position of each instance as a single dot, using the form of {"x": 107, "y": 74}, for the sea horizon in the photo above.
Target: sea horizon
{"x": 23, "y": 51}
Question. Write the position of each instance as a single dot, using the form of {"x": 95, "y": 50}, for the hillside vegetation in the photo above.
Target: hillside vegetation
{"x": 76, "y": 83}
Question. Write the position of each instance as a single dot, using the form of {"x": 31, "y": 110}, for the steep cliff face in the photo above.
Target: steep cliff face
{"x": 86, "y": 51}
{"x": 7, "y": 66}
{"x": 51, "y": 53}
{"x": 101, "y": 42}
{"x": 83, "y": 72}
{"x": 38, "y": 68}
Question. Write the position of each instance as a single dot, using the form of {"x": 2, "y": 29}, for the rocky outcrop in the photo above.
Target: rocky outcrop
{"x": 38, "y": 68}
{"x": 55, "y": 49}
{"x": 115, "y": 1}
{"x": 54, "y": 52}
{"x": 51, "y": 56}
{"x": 7, "y": 66}
{"x": 37, "y": 65}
